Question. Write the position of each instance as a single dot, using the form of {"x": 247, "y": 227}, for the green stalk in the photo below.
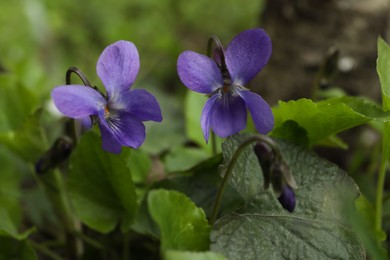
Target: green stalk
{"x": 379, "y": 194}
{"x": 126, "y": 248}
{"x": 229, "y": 170}
{"x": 213, "y": 143}
{"x": 54, "y": 187}
{"x": 382, "y": 176}
{"x": 46, "y": 251}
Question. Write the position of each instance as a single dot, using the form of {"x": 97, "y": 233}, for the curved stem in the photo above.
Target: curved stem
{"x": 221, "y": 55}
{"x": 232, "y": 163}
{"x": 78, "y": 73}
{"x": 76, "y": 128}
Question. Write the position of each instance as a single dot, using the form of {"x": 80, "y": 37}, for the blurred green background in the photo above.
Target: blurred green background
{"x": 41, "y": 39}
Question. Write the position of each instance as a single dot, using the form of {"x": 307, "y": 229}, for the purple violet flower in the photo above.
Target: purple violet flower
{"x": 223, "y": 79}
{"x": 121, "y": 112}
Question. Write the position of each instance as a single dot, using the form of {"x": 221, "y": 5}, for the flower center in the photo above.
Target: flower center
{"x": 106, "y": 112}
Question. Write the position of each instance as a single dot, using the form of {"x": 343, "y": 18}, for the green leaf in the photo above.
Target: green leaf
{"x": 383, "y": 69}
{"x": 180, "y": 255}
{"x": 183, "y": 158}
{"x": 10, "y": 216}
{"x": 26, "y": 141}
{"x": 194, "y": 103}
{"x": 14, "y": 249}
{"x": 170, "y": 132}
{"x": 246, "y": 178}
{"x": 320, "y": 120}
{"x": 143, "y": 222}
{"x": 290, "y": 130}
{"x": 100, "y": 184}
{"x": 201, "y": 184}
{"x": 140, "y": 163}
{"x": 10, "y": 219}
{"x": 10, "y": 197}
{"x": 182, "y": 225}
{"x": 16, "y": 103}
{"x": 366, "y": 230}
{"x": 334, "y": 141}
{"x": 362, "y": 106}
{"x": 320, "y": 226}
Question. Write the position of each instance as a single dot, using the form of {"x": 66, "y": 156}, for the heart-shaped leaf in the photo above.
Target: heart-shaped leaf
{"x": 319, "y": 228}
{"x": 182, "y": 225}
{"x": 101, "y": 188}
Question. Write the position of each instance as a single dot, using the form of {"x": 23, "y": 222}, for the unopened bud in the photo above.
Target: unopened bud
{"x": 287, "y": 198}
{"x": 266, "y": 158}
{"x": 277, "y": 172}
{"x": 58, "y": 153}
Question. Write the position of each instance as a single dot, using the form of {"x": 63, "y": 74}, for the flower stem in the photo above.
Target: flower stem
{"x": 230, "y": 167}
{"x": 379, "y": 194}
{"x": 78, "y": 73}
{"x": 54, "y": 187}
{"x": 126, "y": 248}
{"x": 381, "y": 177}
{"x": 213, "y": 143}
{"x": 46, "y": 251}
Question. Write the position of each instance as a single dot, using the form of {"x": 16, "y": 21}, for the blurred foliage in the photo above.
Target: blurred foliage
{"x": 41, "y": 39}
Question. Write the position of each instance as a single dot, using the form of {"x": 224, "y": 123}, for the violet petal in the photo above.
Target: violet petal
{"x": 85, "y": 122}
{"x": 260, "y": 110}
{"x": 228, "y": 116}
{"x": 127, "y": 128}
{"x": 78, "y": 101}
{"x": 109, "y": 141}
{"x": 198, "y": 72}
{"x": 140, "y": 103}
{"x": 118, "y": 66}
{"x": 206, "y": 116}
{"x": 247, "y": 54}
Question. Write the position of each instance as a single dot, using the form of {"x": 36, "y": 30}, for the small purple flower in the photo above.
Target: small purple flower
{"x": 121, "y": 112}
{"x": 223, "y": 79}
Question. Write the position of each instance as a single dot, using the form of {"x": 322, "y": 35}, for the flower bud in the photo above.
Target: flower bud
{"x": 277, "y": 172}
{"x": 266, "y": 158}
{"x": 287, "y": 198}
{"x": 58, "y": 153}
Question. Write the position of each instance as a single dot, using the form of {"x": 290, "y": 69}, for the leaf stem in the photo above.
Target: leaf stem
{"x": 88, "y": 240}
{"x": 46, "y": 251}
{"x": 232, "y": 163}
